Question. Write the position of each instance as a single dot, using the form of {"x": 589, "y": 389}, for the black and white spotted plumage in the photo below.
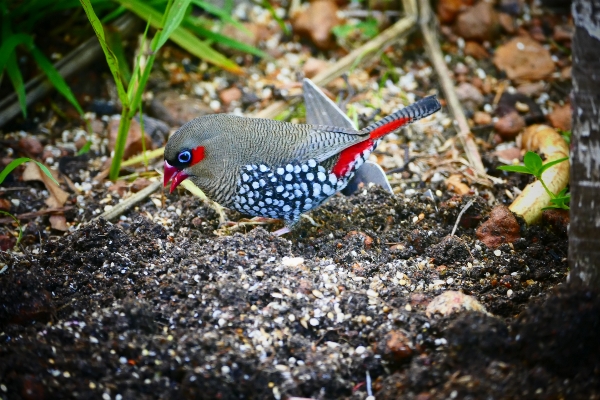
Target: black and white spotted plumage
{"x": 275, "y": 169}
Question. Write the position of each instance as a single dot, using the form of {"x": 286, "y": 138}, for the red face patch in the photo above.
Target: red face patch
{"x": 197, "y": 155}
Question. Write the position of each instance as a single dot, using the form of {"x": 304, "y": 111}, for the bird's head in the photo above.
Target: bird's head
{"x": 184, "y": 154}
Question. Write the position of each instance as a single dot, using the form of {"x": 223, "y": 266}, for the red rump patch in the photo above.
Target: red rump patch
{"x": 197, "y": 155}
{"x": 387, "y": 128}
{"x": 347, "y": 156}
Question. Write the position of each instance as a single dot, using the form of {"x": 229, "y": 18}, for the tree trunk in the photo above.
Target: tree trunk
{"x": 584, "y": 230}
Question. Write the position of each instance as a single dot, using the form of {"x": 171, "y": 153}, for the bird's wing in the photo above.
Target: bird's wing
{"x": 323, "y": 142}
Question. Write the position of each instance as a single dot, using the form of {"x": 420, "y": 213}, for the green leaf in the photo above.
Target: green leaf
{"x": 225, "y": 40}
{"x": 22, "y": 160}
{"x": 111, "y": 59}
{"x": 86, "y": 147}
{"x": 552, "y": 163}
{"x": 533, "y": 162}
{"x": 172, "y": 21}
{"x": 55, "y": 77}
{"x": 9, "y": 45}
{"x": 17, "y": 81}
{"x": 221, "y": 14}
{"x": 515, "y": 168}
{"x": 183, "y": 37}
{"x": 18, "y": 224}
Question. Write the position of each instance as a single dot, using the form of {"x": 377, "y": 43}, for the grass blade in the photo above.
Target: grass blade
{"x": 111, "y": 59}
{"x": 223, "y": 40}
{"x": 17, "y": 81}
{"x": 22, "y": 160}
{"x": 55, "y": 77}
{"x": 172, "y": 21}
{"x": 183, "y": 37}
{"x": 221, "y": 14}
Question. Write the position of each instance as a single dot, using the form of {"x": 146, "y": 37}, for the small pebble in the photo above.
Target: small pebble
{"x": 497, "y": 253}
{"x": 360, "y": 349}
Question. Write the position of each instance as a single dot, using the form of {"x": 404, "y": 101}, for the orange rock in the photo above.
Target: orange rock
{"x": 316, "y": 22}
{"x": 476, "y": 50}
{"x": 482, "y": 118}
{"x": 509, "y": 125}
{"x": 560, "y": 117}
{"x": 522, "y": 58}
{"x": 479, "y": 23}
{"x": 447, "y": 10}
{"x": 501, "y": 227}
{"x": 31, "y": 145}
{"x": 397, "y": 347}
{"x": 230, "y": 95}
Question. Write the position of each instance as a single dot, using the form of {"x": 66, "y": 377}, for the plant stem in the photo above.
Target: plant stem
{"x": 124, "y": 125}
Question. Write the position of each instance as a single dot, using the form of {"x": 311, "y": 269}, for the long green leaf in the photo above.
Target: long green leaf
{"x": 221, "y": 14}
{"x": 17, "y": 81}
{"x": 515, "y": 168}
{"x": 182, "y": 37}
{"x": 55, "y": 77}
{"x": 172, "y": 21}
{"x": 22, "y": 160}
{"x": 111, "y": 59}
{"x": 552, "y": 163}
{"x": 225, "y": 40}
{"x": 9, "y": 45}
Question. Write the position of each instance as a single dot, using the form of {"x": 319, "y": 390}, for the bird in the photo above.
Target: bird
{"x": 275, "y": 169}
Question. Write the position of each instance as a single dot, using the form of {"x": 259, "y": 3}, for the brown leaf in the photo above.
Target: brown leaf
{"x": 522, "y": 58}
{"x": 58, "y": 197}
{"x": 59, "y": 223}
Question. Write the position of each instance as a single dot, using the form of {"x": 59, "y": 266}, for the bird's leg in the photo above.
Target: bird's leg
{"x": 282, "y": 231}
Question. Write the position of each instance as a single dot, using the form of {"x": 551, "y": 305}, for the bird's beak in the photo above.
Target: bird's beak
{"x": 172, "y": 173}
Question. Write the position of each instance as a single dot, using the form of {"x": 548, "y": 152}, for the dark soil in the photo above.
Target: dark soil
{"x": 141, "y": 311}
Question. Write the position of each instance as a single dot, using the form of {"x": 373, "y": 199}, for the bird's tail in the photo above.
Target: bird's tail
{"x": 395, "y": 121}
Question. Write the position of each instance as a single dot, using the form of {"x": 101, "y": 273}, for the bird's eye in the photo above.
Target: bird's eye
{"x": 184, "y": 157}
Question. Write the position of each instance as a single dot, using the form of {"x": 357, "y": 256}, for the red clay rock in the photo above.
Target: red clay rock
{"x": 476, "y": 50}
{"x": 501, "y": 227}
{"x": 560, "y": 117}
{"x": 509, "y": 126}
{"x": 31, "y": 145}
{"x": 557, "y": 219}
{"x": 478, "y": 23}
{"x": 447, "y": 10}
{"x": 397, "y": 347}
{"x": 522, "y": 58}
{"x": 230, "y": 95}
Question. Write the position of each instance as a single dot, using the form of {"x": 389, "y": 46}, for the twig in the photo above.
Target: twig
{"x": 120, "y": 208}
{"x": 435, "y": 53}
{"x": 36, "y": 214}
{"x": 465, "y": 208}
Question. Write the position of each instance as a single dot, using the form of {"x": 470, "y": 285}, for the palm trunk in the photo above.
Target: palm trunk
{"x": 584, "y": 231}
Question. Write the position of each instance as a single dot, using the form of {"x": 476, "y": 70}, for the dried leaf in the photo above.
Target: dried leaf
{"x": 58, "y": 197}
